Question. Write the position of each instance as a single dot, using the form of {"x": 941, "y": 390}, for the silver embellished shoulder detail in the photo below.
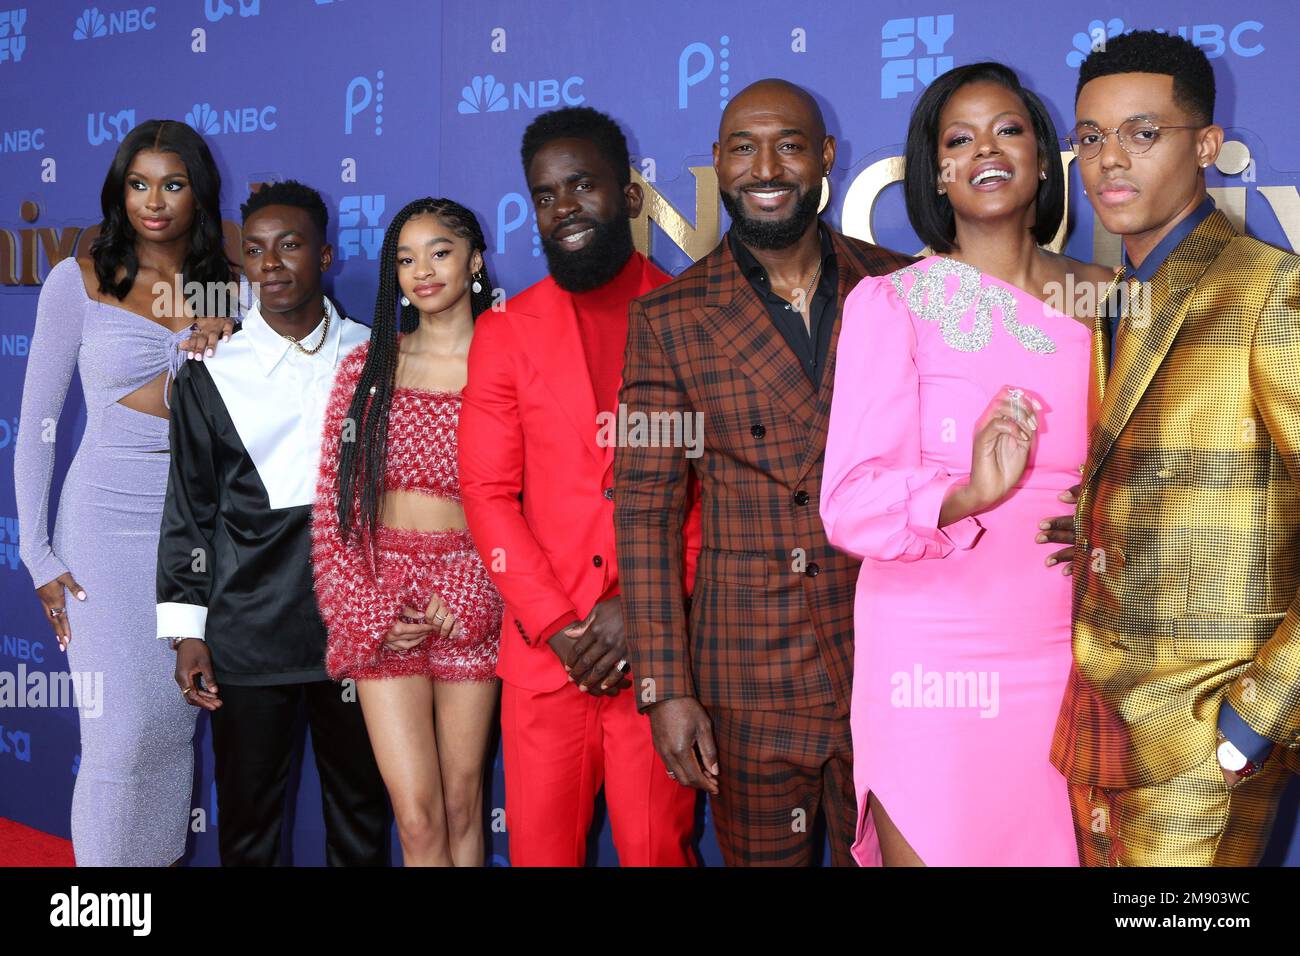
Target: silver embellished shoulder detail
{"x": 928, "y": 299}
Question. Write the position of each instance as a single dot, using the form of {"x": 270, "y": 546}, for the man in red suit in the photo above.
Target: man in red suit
{"x": 536, "y": 475}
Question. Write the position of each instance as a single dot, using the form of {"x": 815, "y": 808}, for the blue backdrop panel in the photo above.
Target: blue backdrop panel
{"x": 376, "y": 103}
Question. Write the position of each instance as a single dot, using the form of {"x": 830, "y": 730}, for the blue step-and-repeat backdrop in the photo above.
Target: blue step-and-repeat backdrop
{"x": 376, "y": 102}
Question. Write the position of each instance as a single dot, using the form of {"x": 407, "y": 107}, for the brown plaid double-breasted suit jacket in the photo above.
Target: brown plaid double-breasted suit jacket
{"x": 771, "y": 621}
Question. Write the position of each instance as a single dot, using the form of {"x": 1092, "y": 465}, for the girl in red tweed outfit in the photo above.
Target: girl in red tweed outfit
{"x": 413, "y": 617}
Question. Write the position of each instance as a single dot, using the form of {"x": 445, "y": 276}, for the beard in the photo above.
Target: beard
{"x": 773, "y": 234}
{"x": 595, "y": 263}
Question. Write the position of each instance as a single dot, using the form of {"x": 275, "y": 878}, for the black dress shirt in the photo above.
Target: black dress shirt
{"x": 811, "y": 344}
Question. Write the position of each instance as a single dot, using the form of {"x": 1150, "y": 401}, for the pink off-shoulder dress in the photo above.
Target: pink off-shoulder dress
{"x": 962, "y": 634}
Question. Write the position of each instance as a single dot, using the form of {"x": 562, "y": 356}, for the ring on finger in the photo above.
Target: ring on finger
{"x": 57, "y": 611}
{"x": 623, "y": 666}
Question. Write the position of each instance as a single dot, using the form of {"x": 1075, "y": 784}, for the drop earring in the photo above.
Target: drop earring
{"x": 478, "y": 285}
{"x": 405, "y": 301}
{"x": 1042, "y": 174}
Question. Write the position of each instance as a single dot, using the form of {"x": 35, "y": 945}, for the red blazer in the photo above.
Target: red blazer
{"x": 537, "y": 488}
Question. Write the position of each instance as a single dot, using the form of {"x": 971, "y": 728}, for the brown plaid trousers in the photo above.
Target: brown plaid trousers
{"x": 1187, "y": 561}
{"x": 771, "y": 621}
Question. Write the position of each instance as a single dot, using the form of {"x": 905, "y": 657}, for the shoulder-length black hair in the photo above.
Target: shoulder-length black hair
{"x": 114, "y": 247}
{"x": 362, "y": 462}
{"x": 931, "y": 214}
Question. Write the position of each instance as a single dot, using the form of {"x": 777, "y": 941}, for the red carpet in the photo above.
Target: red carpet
{"x": 23, "y": 846}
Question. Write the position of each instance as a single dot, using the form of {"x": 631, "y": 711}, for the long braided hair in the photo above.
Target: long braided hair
{"x": 362, "y": 462}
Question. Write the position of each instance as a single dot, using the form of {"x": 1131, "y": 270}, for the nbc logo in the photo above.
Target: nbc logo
{"x": 91, "y": 23}
{"x": 483, "y": 95}
{"x": 203, "y": 119}
{"x": 487, "y": 94}
{"x": 1095, "y": 39}
{"x": 249, "y": 119}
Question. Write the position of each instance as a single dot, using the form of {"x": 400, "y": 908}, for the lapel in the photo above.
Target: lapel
{"x": 551, "y": 328}
{"x": 1170, "y": 294}
{"x": 849, "y": 276}
{"x": 738, "y": 322}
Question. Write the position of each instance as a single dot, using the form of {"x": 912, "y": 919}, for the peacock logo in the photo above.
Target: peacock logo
{"x": 484, "y": 94}
{"x": 90, "y": 24}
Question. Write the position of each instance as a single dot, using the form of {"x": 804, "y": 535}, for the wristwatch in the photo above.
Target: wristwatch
{"x": 1234, "y": 761}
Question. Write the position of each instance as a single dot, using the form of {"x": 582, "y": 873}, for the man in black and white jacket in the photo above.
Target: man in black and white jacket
{"x": 235, "y": 591}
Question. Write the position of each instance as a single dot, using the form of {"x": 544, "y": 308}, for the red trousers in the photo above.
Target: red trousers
{"x": 559, "y": 748}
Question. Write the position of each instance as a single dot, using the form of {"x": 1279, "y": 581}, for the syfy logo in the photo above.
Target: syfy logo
{"x": 13, "y": 43}
{"x": 22, "y": 140}
{"x": 104, "y": 127}
{"x": 898, "y": 44}
{"x": 360, "y": 233}
{"x": 486, "y": 94}
{"x": 92, "y": 24}
{"x": 695, "y": 65}
{"x": 9, "y": 542}
{"x": 214, "y": 10}
{"x": 1215, "y": 39}
{"x": 249, "y": 119}
{"x": 360, "y": 94}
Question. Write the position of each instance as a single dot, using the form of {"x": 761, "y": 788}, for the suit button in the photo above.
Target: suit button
{"x": 813, "y": 570}
{"x": 758, "y": 431}
{"x": 609, "y": 494}
{"x": 596, "y": 560}
{"x": 801, "y": 497}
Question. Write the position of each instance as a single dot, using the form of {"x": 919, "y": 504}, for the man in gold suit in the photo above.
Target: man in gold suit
{"x": 1182, "y": 715}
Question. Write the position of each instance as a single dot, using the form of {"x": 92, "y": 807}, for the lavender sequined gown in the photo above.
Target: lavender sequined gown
{"x": 131, "y": 801}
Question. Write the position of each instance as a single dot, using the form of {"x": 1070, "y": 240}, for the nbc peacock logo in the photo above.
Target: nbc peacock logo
{"x": 203, "y": 118}
{"x": 91, "y": 24}
{"x": 1094, "y": 40}
{"x": 484, "y": 94}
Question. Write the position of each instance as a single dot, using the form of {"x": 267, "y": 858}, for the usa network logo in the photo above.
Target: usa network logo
{"x": 902, "y": 68}
{"x": 1215, "y": 39}
{"x": 92, "y": 24}
{"x": 248, "y": 119}
{"x": 104, "y": 127}
{"x": 487, "y": 94}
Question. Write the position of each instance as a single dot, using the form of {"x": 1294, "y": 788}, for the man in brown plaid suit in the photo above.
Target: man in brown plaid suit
{"x": 1182, "y": 714}
{"x": 749, "y": 699}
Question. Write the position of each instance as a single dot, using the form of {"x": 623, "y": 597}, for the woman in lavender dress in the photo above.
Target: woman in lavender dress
{"x": 131, "y": 801}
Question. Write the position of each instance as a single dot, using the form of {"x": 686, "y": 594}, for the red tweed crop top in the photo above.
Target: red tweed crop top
{"x": 422, "y": 427}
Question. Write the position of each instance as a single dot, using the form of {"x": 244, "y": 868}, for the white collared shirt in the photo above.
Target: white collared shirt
{"x": 276, "y": 397}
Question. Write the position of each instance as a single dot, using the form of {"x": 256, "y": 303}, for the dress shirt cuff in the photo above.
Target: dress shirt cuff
{"x": 182, "y": 620}
{"x": 1239, "y": 733}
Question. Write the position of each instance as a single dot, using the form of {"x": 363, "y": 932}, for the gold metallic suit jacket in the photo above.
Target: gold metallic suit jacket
{"x": 1187, "y": 559}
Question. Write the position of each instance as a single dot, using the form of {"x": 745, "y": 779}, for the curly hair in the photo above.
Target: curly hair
{"x": 1148, "y": 51}
{"x": 579, "y": 122}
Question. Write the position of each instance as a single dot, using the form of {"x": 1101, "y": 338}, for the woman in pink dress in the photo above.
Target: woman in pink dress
{"x": 958, "y": 421}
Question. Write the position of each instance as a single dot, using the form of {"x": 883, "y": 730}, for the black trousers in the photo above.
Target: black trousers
{"x": 253, "y": 737}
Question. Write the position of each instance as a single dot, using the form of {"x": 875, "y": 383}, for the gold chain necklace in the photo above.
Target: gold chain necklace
{"x": 323, "y": 336}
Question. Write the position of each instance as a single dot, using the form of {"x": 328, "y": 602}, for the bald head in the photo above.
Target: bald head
{"x": 769, "y": 99}
{"x": 770, "y": 157}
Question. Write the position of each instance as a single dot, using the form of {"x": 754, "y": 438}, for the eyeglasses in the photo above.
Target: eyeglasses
{"x": 1135, "y": 137}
